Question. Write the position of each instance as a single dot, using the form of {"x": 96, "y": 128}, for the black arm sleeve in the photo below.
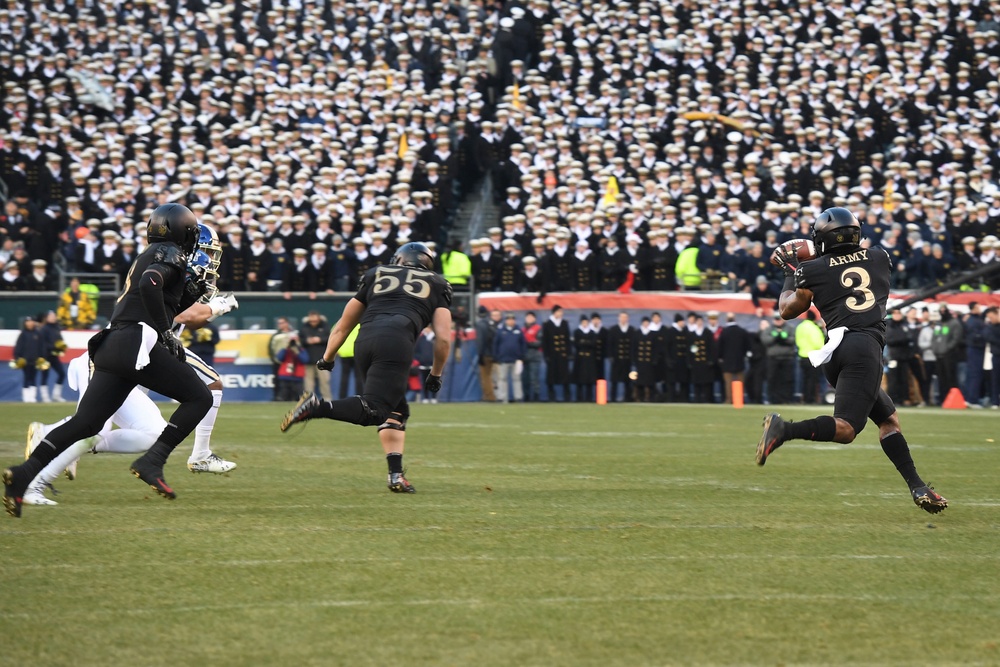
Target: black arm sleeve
{"x": 151, "y": 285}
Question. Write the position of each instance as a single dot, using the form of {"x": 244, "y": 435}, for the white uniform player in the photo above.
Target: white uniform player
{"x": 139, "y": 423}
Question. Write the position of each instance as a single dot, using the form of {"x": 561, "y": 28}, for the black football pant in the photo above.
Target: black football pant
{"x": 115, "y": 376}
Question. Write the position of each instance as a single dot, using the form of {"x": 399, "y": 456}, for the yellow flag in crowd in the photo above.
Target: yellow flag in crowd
{"x": 516, "y": 102}
{"x": 611, "y": 194}
{"x": 404, "y": 145}
{"x": 890, "y": 188}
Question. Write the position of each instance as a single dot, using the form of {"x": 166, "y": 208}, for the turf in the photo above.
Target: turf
{"x": 540, "y": 535}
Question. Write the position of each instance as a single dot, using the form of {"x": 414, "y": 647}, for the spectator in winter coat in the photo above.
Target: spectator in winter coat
{"x": 509, "y": 348}
{"x": 733, "y": 345}
{"x": 29, "y": 355}
{"x": 780, "y": 346}
{"x": 292, "y": 362}
{"x": 975, "y": 354}
{"x": 946, "y": 343}
{"x": 486, "y": 327}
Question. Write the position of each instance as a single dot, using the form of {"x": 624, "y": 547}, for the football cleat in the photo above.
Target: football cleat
{"x": 152, "y": 475}
{"x": 772, "y": 437}
{"x": 70, "y": 470}
{"x": 36, "y": 431}
{"x": 398, "y": 483}
{"x": 13, "y": 491}
{"x": 304, "y": 410}
{"x": 35, "y": 495}
{"x": 929, "y": 500}
{"x": 212, "y": 464}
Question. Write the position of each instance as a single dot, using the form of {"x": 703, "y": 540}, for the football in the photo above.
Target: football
{"x": 804, "y": 250}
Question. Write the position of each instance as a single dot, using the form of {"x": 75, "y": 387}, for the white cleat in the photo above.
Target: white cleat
{"x": 212, "y": 464}
{"x": 35, "y": 496}
{"x": 70, "y": 471}
{"x": 36, "y": 431}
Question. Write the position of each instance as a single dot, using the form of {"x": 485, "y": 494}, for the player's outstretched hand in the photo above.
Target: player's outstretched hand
{"x": 324, "y": 365}
{"x": 222, "y": 304}
{"x": 173, "y": 344}
{"x": 786, "y": 259}
{"x": 432, "y": 383}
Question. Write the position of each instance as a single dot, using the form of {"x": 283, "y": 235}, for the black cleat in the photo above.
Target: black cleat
{"x": 929, "y": 500}
{"x": 772, "y": 438}
{"x": 304, "y": 410}
{"x": 398, "y": 483}
{"x": 152, "y": 475}
{"x": 13, "y": 491}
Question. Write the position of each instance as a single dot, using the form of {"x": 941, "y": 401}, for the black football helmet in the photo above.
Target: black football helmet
{"x": 173, "y": 223}
{"x": 835, "y": 228}
{"x": 414, "y": 254}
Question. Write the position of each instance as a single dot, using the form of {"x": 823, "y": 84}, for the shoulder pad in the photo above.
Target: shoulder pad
{"x": 170, "y": 255}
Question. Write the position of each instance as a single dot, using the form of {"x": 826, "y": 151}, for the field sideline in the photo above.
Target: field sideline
{"x": 540, "y": 535}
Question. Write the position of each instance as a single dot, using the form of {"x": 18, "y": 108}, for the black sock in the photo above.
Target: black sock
{"x": 822, "y": 429}
{"x": 31, "y": 467}
{"x": 896, "y": 449}
{"x": 395, "y": 461}
{"x": 158, "y": 453}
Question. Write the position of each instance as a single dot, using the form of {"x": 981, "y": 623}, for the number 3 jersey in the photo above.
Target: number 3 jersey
{"x": 850, "y": 289}
{"x": 393, "y": 291}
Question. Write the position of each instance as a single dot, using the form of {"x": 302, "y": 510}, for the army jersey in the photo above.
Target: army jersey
{"x": 850, "y": 289}
{"x": 171, "y": 263}
{"x": 393, "y": 290}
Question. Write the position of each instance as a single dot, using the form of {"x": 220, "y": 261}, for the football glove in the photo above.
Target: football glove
{"x": 173, "y": 344}
{"x": 222, "y": 304}
{"x": 786, "y": 259}
{"x": 325, "y": 365}
{"x": 432, "y": 383}
{"x": 194, "y": 289}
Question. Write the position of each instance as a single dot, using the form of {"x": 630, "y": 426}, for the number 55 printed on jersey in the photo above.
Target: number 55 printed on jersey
{"x": 862, "y": 299}
{"x": 414, "y": 283}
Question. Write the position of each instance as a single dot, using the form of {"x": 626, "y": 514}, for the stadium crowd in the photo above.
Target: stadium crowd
{"x": 643, "y": 145}
{"x": 696, "y": 357}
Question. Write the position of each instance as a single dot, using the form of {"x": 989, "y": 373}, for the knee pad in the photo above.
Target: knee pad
{"x": 401, "y": 426}
{"x": 390, "y": 425}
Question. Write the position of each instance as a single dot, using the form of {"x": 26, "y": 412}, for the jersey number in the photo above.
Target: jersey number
{"x": 387, "y": 279}
{"x": 128, "y": 283}
{"x": 862, "y": 299}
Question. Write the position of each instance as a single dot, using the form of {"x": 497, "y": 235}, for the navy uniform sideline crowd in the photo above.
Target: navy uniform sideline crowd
{"x": 317, "y": 136}
{"x": 696, "y": 357}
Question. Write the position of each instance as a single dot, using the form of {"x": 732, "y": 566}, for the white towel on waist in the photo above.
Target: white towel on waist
{"x": 149, "y": 338}
{"x": 819, "y": 357}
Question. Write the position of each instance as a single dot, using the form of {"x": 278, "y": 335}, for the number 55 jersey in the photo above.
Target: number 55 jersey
{"x": 406, "y": 294}
{"x": 850, "y": 289}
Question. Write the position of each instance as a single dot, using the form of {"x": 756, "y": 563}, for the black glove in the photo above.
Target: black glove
{"x": 324, "y": 365}
{"x": 786, "y": 258}
{"x": 432, "y": 383}
{"x": 195, "y": 289}
{"x": 173, "y": 344}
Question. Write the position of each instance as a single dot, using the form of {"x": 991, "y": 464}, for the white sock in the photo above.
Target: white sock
{"x": 125, "y": 441}
{"x": 55, "y": 467}
{"x": 203, "y": 431}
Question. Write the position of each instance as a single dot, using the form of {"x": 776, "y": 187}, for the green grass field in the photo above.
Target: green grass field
{"x": 541, "y": 535}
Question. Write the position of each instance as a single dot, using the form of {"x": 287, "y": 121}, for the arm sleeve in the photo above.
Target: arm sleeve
{"x": 151, "y": 285}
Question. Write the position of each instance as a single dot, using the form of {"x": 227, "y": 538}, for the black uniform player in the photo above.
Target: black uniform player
{"x": 850, "y": 286}
{"x": 137, "y": 347}
{"x": 394, "y": 304}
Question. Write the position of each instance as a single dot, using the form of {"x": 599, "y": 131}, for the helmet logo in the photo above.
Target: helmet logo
{"x": 157, "y": 229}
